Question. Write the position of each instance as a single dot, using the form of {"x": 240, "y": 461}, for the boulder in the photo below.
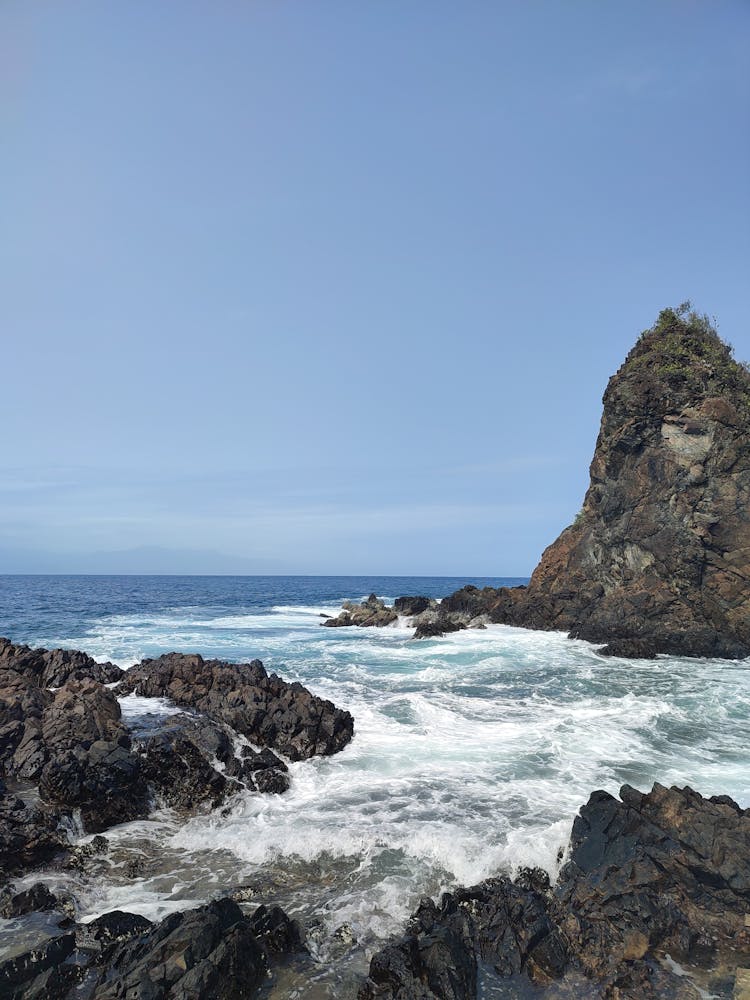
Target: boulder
{"x": 213, "y": 951}
{"x": 37, "y": 898}
{"x": 90, "y": 764}
{"x": 648, "y": 875}
{"x": 371, "y": 612}
{"x": 260, "y": 706}
{"x": 410, "y": 606}
{"x": 28, "y": 836}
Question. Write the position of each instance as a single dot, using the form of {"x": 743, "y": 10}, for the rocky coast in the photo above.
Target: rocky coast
{"x": 652, "y": 896}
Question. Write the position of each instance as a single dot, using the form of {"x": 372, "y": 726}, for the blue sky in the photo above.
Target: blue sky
{"x": 336, "y": 287}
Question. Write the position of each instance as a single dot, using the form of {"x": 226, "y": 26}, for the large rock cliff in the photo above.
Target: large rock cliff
{"x": 658, "y": 559}
{"x": 659, "y": 555}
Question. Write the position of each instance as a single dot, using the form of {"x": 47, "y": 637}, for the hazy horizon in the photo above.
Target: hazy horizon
{"x": 332, "y": 289}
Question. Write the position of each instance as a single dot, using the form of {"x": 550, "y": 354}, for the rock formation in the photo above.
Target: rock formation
{"x": 372, "y": 611}
{"x": 658, "y": 560}
{"x": 65, "y": 750}
{"x": 667, "y": 873}
{"x": 213, "y": 951}
{"x": 258, "y": 705}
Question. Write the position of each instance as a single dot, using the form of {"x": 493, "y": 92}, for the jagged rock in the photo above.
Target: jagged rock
{"x": 36, "y": 898}
{"x": 90, "y": 765}
{"x": 410, "y": 606}
{"x": 666, "y": 872}
{"x": 22, "y": 974}
{"x": 436, "y": 958}
{"x": 72, "y": 742}
{"x": 179, "y": 771}
{"x": 259, "y": 706}
{"x": 371, "y": 612}
{"x": 437, "y": 628}
{"x": 110, "y": 928}
{"x": 261, "y": 770}
{"x": 658, "y": 560}
{"x": 213, "y": 951}
{"x": 28, "y": 836}
{"x": 51, "y": 668}
{"x": 275, "y": 931}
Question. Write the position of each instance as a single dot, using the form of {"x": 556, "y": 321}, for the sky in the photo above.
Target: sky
{"x": 334, "y": 287}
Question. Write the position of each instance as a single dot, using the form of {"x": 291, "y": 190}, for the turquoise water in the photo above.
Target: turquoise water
{"x": 472, "y": 753}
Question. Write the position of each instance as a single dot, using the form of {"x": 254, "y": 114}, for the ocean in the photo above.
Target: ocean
{"x": 472, "y": 753}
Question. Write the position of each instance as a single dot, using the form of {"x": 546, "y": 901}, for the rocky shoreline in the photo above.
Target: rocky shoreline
{"x": 66, "y": 754}
{"x": 653, "y": 898}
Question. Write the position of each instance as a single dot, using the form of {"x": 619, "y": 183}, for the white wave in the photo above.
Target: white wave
{"x": 472, "y": 754}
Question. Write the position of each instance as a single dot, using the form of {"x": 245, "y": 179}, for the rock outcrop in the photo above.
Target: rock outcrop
{"x": 260, "y": 706}
{"x": 70, "y": 741}
{"x": 214, "y": 951}
{"x": 649, "y": 876}
{"x": 64, "y": 746}
{"x": 371, "y": 612}
{"x": 658, "y": 560}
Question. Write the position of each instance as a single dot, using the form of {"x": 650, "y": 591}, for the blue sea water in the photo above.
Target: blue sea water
{"x": 471, "y": 756}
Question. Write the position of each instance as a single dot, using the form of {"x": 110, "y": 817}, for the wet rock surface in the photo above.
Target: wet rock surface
{"x": 71, "y": 742}
{"x": 260, "y": 706}
{"x": 67, "y": 757}
{"x": 28, "y": 836}
{"x": 214, "y": 951}
{"x": 648, "y": 876}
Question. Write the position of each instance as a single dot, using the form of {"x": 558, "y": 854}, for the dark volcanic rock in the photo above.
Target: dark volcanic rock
{"x": 51, "y": 668}
{"x": 71, "y": 741}
{"x": 667, "y": 872}
{"x": 114, "y": 927}
{"x": 213, "y": 951}
{"x": 371, "y": 612}
{"x": 28, "y": 837}
{"x": 437, "y": 627}
{"x": 90, "y": 765}
{"x": 275, "y": 931}
{"x": 260, "y": 706}
{"x": 36, "y": 898}
{"x": 178, "y": 768}
{"x": 658, "y": 560}
{"x": 23, "y": 975}
{"x": 410, "y": 606}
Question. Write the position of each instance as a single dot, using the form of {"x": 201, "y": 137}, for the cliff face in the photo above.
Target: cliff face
{"x": 658, "y": 560}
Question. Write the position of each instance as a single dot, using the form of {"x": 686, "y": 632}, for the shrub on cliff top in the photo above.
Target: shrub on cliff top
{"x": 684, "y": 350}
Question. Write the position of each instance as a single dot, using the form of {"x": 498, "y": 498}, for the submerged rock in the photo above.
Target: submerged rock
{"x": 649, "y": 875}
{"x": 658, "y": 560}
{"x": 258, "y": 705}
